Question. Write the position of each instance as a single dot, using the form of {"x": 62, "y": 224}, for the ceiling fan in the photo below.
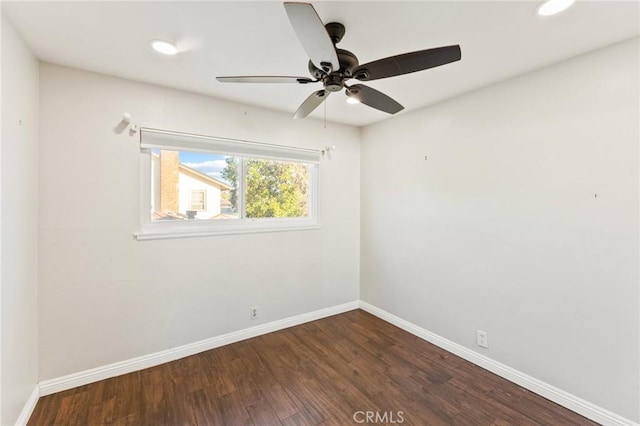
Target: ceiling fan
{"x": 333, "y": 66}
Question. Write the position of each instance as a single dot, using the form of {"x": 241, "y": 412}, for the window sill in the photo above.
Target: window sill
{"x": 160, "y": 232}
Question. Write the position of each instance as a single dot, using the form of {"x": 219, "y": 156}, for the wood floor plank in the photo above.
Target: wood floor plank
{"x": 65, "y": 411}
{"x": 282, "y": 405}
{"x": 233, "y": 410}
{"x": 189, "y": 371}
{"x": 179, "y": 410}
{"x": 153, "y": 404}
{"x": 296, "y": 419}
{"x": 243, "y": 379}
{"x": 45, "y": 410}
{"x": 315, "y": 410}
{"x": 128, "y": 393}
{"x": 262, "y": 414}
{"x": 219, "y": 377}
{"x": 102, "y": 411}
{"x": 205, "y": 408}
{"x": 319, "y": 373}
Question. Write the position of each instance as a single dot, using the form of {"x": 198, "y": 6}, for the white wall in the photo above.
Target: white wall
{"x": 18, "y": 224}
{"x": 500, "y": 229}
{"x": 105, "y": 297}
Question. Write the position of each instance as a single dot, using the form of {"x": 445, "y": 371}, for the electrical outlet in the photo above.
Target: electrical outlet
{"x": 253, "y": 312}
{"x": 482, "y": 339}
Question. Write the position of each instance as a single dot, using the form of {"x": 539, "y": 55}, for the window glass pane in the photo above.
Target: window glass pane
{"x": 276, "y": 189}
{"x": 188, "y": 185}
{"x": 198, "y": 201}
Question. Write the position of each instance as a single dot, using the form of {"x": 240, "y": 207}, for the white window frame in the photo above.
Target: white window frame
{"x": 162, "y": 139}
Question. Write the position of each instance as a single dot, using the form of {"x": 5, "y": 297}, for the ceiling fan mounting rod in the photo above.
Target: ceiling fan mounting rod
{"x": 336, "y": 31}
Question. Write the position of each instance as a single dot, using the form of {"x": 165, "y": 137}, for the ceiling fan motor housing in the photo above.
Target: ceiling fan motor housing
{"x": 333, "y": 83}
{"x": 348, "y": 62}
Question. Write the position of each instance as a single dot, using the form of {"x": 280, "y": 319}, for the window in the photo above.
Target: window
{"x": 198, "y": 201}
{"x": 196, "y": 185}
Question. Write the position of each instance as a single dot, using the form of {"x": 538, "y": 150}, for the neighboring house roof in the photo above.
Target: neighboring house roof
{"x": 205, "y": 178}
{"x": 168, "y": 216}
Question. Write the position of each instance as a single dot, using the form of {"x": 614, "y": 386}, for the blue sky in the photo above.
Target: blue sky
{"x": 209, "y": 164}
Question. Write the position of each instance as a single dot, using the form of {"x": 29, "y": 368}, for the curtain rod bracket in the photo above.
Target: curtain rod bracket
{"x": 327, "y": 149}
{"x": 126, "y": 119}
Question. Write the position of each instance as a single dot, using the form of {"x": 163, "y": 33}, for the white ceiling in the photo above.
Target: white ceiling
{"x": 499, "y": 39}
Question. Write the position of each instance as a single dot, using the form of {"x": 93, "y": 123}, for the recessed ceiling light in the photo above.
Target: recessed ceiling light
{"x": 352, "y": 100}
{"x": 164, "y": 47}
{"x": 551, "y": 7}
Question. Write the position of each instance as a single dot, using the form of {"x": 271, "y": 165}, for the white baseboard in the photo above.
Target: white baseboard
{"x": 27, "y": 410}
{"x": 560, "y": 397}
{"x": 59, "y": 384}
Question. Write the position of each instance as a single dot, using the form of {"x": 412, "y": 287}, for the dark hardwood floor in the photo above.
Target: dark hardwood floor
{"x": 351, "y": 368}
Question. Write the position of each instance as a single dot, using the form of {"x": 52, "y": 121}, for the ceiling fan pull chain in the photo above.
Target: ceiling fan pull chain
{"x": 325, "y": 115}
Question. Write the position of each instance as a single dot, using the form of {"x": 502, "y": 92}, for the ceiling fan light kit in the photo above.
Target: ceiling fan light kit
{"x": 333, "y": 66}
{"x": 352, "y": 99}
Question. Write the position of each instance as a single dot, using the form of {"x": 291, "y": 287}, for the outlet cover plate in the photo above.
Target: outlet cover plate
{"x": 482, "y": 339}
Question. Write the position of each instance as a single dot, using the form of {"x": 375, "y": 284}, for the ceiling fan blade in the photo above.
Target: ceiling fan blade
{"x": 407, "y": 63}
{"x": 311, "y": 103}
{"x": 265, "y": 79}
{"x": 312, "y": 35}
{"x": 374, "y": 99}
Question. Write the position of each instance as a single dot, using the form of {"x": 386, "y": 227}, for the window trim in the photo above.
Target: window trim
{"x": 184, "y": 229}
